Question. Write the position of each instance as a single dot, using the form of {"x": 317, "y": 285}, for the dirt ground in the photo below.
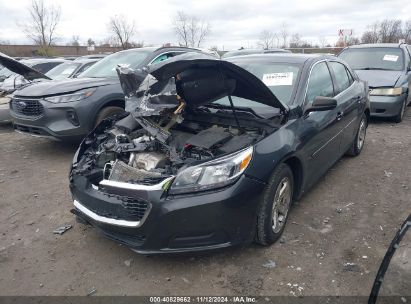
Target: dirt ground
{"x": 333, "y": 243}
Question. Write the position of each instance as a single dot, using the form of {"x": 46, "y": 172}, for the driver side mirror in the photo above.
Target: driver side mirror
{"x": 322, "y": 103}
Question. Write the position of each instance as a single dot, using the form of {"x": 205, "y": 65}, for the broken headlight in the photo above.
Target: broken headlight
{"x": 76, "y": 96}
{"x": 213, "y": 174}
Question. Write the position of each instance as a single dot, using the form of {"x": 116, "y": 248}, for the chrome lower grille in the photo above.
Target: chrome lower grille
{"x": 27, "y": 107}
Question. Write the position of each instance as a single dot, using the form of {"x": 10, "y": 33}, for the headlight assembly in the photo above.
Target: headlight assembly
{"x": 213, "y": 174}
{"x": 386, "y": 91}
{"x": 76, "y": 96}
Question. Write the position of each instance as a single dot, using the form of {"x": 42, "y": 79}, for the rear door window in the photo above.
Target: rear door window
{"x": 341, "y": 76}
{"x": 320, "y": 83}
{"x": 45, "y": 67}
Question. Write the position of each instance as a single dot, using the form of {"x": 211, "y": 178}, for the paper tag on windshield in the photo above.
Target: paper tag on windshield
{"x": 278, "y": 79}
{"x": 390, "y": 58}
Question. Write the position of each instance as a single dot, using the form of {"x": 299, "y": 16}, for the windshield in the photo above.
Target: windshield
{"x": 374, "y": 58}
{"x": 5, "y": 72}
{"x": 63, "y": 71}
{"x": 106, "y": 67}
{"x": 280, "y": 78}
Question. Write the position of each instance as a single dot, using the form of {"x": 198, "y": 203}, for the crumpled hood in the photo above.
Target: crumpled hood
{"x": 196, "y": 68}
{"x": 20, "y": 68}
{"x": 378, "y": 78}
{"x": 56, "y": 87}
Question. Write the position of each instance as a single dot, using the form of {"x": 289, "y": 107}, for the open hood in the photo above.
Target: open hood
{"x": 199, "y": 68}
{"x": 20, "y": 68}
{"x": 198, "y": 79}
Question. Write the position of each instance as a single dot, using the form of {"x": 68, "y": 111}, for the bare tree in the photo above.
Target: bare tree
{"x": 189, "y": 30}
{"x": 323, "y": 41}
{"x": 123, "y": 30}
{"x": 407, "y": 32}
{"x": 390, "y": 30}
{"x": 371, "y": 35}
{"x": 267, "y": 39}
{"x": 90, "y": 42}
{"x": 295, "y": 41}
{"x": 75, "y": 41}
{"x": 43, "y": 23}
{"x": 284, "y": 34}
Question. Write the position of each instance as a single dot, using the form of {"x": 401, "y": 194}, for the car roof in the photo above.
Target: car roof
{"x": 283, "y": 57}
{"x": 376, "y": 45}
{"x": 42, "y": 60}
{"x": 85, "y": 60}
{"x": 163, "y": 48}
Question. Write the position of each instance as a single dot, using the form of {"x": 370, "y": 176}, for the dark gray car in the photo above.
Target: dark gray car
{"x": 69, "y": 109}
{"x": 387, "y": 69}
{"x": 214, "y": 152}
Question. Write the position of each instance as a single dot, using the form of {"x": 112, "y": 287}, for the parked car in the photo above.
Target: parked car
{"x": 70, "y": 69}
{"x": 243, "y": 52}
{"x": 214, "y": 152}
{"x": 16, "y": 74}
{"x": 41, "y": 65}
{"x": 69, "y": 109}
{"x": 387, "y": 69}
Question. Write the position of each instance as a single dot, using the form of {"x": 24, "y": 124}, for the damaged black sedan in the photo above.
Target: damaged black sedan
{"x": 212, "y": 153}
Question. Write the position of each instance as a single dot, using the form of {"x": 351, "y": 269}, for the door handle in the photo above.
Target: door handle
{"x": 340, "y": 115}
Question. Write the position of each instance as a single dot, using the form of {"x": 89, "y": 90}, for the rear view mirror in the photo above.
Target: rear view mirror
{"x": 322, "y": 103}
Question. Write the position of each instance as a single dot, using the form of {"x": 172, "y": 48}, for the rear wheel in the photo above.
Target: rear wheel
{"x": 107, "y": 112}
{"x": 273, "y": 210}
{"x": 359, "y": 140}
{"x": 398, "y": 118}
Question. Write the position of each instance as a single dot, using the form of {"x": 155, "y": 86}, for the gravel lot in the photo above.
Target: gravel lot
{"x": 333, "y": 243}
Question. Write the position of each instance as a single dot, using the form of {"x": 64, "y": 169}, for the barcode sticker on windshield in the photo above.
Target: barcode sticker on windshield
{"x": 278, "y": 79}
{"x": 390, "y": 58}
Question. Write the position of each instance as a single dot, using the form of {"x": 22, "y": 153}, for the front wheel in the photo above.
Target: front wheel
{"x": 398, "y": 118}
{"x": 359, "y": 140}
{"x": 273, "y": 210}
{"x": 107, "y": 112}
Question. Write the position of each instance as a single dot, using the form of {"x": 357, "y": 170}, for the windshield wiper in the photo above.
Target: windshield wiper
{"x": 224, "y": 107}
{"x": 380, "y": 69}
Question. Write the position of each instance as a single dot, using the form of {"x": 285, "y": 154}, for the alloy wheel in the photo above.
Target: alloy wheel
{"x": 361, "y": 134}
{"x": 281, "y": 204}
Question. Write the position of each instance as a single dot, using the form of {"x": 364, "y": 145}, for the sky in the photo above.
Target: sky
{"x": 234, "y": 23}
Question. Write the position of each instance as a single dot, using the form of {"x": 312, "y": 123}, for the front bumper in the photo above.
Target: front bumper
{"x": 183, "y": 223}
{"x": 55, "y": 120}
{"x": 386, "y": 106}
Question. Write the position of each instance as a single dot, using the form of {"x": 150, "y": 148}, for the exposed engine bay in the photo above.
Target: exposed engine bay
{"x": 173, "y": 124}
{"x": 127, "y": 152}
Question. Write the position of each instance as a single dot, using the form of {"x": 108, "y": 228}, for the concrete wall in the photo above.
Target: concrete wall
{"x": 32, "y": 50}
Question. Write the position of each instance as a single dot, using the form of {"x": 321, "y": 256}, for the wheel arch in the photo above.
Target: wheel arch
{"x": 109, "y": 103}
{"x": 368, "y": 114}
{"x": 296, "y": 167}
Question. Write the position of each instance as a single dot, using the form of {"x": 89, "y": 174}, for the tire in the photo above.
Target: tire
{"x": 107, "y": 112}
{"x": 273, "y": 210}
{"x": 398, "y": 118}
{"x": 359, "y": 139}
